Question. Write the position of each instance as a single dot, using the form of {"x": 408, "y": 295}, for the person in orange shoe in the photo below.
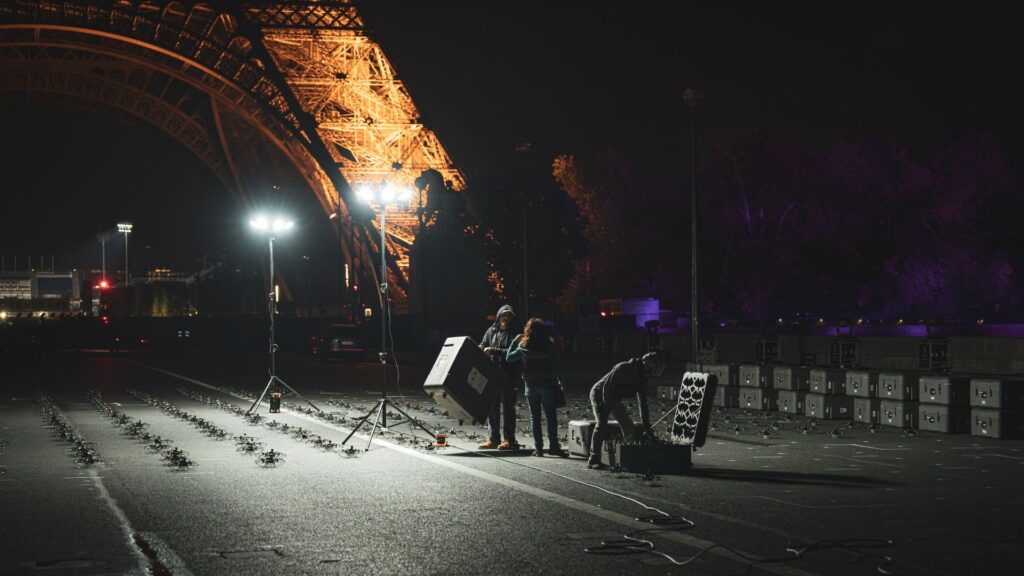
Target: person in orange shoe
{"x": 495, "y": 343}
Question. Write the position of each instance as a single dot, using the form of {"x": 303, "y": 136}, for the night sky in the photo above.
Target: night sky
{"x": 570, "y": 77}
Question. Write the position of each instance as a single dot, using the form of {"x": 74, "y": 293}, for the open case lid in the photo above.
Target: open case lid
{"x": 693, "y": 409}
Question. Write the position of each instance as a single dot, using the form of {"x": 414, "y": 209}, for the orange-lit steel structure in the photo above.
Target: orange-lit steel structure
{"x": 254, "y": 89}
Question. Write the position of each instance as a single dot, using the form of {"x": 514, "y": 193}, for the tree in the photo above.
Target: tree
{"x": 629, "y": 221}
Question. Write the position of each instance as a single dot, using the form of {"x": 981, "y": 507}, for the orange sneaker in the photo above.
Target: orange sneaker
{"x": 489, "y": 445}
{"x": 506, "y": 445}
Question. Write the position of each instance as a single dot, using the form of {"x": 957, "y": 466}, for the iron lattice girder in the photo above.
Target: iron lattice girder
{"x": 200, "y": 47}
{"x": 201, "y": 35}
{"x": 321, "y": 89}
{"x": 362, "y": 109}
{"x": 114, "y": 85}
{"x": 325, "y": 15}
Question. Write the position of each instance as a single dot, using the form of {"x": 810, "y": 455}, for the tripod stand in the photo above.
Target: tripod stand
{"x": 381, "y": 421}
{"x": 273, "y": 346}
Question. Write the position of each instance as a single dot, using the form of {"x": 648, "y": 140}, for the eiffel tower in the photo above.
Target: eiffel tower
{"x": 259, "y": 91}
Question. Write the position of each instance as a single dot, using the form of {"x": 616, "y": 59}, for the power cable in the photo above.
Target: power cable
{"x": 632, "y": 543}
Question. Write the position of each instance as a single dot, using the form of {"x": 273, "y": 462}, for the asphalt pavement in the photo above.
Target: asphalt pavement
{"x": 852, "y": 500}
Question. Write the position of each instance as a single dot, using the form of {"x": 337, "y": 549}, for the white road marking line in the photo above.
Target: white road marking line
{"x": 819, "y": 506}
{"x": 1005, "y": 456}
{"x": 578, "y": 505}
{"x": 870, "y": 447}
{"x": 129, "y": 532}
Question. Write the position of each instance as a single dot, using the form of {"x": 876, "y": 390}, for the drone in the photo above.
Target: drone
{"x": 182, "y": 462}
{"x": 270, "y": 458}
{"x": 135, "y": 428}
{"x": 349, "y": 452}
{"x": 324, "y": 443}
{"x": 178, "y": 458}
{"x": 85, "y": 453}
{"x": 248, "y": 444}
{"x": 157, "y": 443}
{"x": 87, "y": 458}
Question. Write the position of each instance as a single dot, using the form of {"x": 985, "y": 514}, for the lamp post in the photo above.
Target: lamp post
{"x": 103, "y": 255}
{"x": 383, "y": 195}
{"x": 272, "y": 227}
{"x": 690, "y": 97}
{"x": 126, "y": 229}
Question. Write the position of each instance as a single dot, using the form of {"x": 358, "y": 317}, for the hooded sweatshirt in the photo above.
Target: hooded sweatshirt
{"x": 499, "y": 340}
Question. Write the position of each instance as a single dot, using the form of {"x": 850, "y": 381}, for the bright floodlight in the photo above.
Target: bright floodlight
{"x": 124, "y": 227}
{"x": 365, "y": 193}
{"x": 275, "y": 226}
{"x": 260, "y": 223}
{"x": 384, "y": 193}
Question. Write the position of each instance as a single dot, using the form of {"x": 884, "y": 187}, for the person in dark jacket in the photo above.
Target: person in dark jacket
{"x": 535, "y": 349}
{"x": 496, "y": 342}
{"x": 625, "y": 379}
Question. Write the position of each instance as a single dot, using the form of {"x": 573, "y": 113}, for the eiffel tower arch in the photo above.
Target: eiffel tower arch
{"x": 255, "y": 90}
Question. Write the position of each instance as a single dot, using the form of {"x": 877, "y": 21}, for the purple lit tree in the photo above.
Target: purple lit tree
{"x": 859, "y": 228}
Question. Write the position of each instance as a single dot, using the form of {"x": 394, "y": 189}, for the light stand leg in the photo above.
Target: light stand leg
{"x": 260, "y": 399}
{"x": 296, "y": 392}
{"x": 380, "y": 411}
{"x": 358, "y": 426}
{"x": 412, "y": 420}
{"x": 381, "y": 408}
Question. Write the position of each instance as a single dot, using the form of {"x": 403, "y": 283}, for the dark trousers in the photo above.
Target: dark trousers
{"x": 506, "y": 405}
{"x": 601, "y": 413}
{"x": 541, "y": 395}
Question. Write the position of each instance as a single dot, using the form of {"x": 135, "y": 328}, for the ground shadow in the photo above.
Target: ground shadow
{"x": 778, "y": 477}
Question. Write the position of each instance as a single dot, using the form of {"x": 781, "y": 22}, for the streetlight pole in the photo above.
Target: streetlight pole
{"x": 103, "y": 255}
{"x": 690, "y": 97}
{"x": 523, "y": 148}
{"x": 126, "y": 229}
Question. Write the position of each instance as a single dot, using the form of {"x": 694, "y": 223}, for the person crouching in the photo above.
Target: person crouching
{"x": 624, "y": 380}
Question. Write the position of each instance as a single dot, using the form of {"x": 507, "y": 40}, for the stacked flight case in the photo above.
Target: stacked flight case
{"x": 898, "y": 392}
{"x": 862, "y": 386}
{"x": 790, "y": 384}
{"x": 727, "y": 393}
{"x": 826, "y": 398}
{"x": 997, "y": 408}
{"x": 755, "y": 391}
{"x": 943, "y": 404}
